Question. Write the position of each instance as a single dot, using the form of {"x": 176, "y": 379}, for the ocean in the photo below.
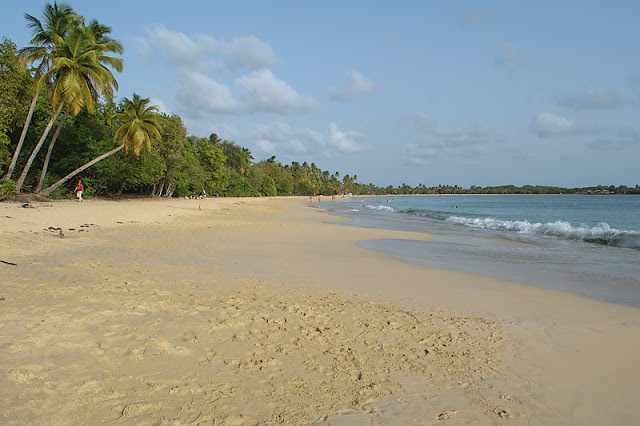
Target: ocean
{"x": 583, "y": 244}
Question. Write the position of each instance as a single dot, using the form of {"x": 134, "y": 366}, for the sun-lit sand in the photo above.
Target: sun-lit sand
{"x": 259, "y": 311}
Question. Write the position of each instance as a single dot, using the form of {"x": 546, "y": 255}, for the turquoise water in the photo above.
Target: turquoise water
{"x": 588, "y": 245}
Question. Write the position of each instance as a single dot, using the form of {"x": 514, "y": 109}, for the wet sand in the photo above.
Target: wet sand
{"x": 259, "y": 311}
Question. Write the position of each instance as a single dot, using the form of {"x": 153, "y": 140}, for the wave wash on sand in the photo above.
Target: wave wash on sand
{"x": 236, "y": 311}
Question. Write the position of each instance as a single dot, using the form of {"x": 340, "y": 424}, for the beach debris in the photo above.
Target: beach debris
{"x": 501, "y": 413}
{"x": 1, "y": 297}
{"x": 8, "y": 263}
{"x": 28, "y": 206}
{"x": 53, "y": 228}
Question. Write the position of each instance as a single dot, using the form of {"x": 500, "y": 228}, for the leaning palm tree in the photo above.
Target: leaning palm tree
{"x": 138, "y": 121}
{"x": 80, "y": 75}
{"x": 101, "y": 43}
{"x": 47, "y": 36}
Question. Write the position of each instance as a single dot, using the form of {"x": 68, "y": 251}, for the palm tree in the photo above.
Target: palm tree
{"x": 45, "y": 166}
{"x": 138, "y": 120}
{"x": 101, "y": 44}
{"x": 80, "y": 75}
{"x": 47, "y": 35}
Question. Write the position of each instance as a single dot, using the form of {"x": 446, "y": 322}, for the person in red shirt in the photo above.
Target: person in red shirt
{"x": 79, "y": 190}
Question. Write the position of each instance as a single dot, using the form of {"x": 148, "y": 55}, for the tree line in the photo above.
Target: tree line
{"x": 58, "y": 93}
{"x": 504, "y": 189}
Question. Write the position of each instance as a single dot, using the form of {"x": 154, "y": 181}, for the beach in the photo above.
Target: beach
{"x": 265, "y": 310}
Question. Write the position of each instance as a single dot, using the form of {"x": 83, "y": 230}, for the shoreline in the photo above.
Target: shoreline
{"x": 560, "y": 262}
{"x": 248, "y": 311}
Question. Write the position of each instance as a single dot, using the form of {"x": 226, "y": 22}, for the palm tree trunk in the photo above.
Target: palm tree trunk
{"x": 47, "y": 191}
{"x": 14, "y": 160}
{"x": 27, "y": 166}
{"x": 45, "y": 166}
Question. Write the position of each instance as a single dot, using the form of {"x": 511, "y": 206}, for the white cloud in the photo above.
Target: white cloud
{"x": 478, "y": 133}
{"x": 435, "y": 140}
{"x": 283, "y": 140}
{"x": 270, "y": 94}
{"x": 194, "y": 59}
{"x": 350, "y": 91}
{"x": 247, "y": 52}
{"x": 344, "y": 142}
{"x": 296, "y": 147}
{"x": 265, "y": 148}
{"x": 204, "y": 52}
{"x": 591, "y": 98}
{"x": 162, "y": 107}
{"x": 290, "y": 143}
{"x": 277, "y": 131}
{"x": 417, "y": 154}
{"x": 178, "y": 47}
{"x": 547, "y": 124}
{"x": 202, "y": 95}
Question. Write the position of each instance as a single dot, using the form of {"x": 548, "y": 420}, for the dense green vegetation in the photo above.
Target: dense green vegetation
{"x": 64, "y": 81}
{"x": 60, "y": 90}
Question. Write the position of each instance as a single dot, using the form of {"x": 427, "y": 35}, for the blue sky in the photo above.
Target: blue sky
{"x": 459, "y": 93}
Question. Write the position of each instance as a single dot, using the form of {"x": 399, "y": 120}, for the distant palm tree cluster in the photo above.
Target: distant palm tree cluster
{"x": 508, "y": 189}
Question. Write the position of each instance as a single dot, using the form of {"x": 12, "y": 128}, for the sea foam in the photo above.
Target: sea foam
{"x": 601, "y": 234}
{"x": 380, "y": 207}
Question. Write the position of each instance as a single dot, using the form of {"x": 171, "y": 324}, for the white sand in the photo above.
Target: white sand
{"x": 254, "y": 311}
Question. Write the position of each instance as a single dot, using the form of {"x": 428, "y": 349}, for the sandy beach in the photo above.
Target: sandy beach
{"x": 262, "y": 311}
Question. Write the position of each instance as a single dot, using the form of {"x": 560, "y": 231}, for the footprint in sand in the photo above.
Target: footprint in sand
{"x": 445, "y": 415}
{"x": 502, "y": 413}
{"x": 22, "y": 376}
{"x": 139, "y": 409}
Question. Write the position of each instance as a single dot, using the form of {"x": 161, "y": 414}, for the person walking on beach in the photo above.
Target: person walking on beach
{"x": 79, "y": 190}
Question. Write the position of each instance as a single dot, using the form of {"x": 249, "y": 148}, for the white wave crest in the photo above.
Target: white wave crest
{"x": 381, "y": 208}
{"x": 602, "y": 233}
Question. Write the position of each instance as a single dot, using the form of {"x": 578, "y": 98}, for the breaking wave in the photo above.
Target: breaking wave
{"x": 381, "y": 207}
{"x": 600, "y": 234}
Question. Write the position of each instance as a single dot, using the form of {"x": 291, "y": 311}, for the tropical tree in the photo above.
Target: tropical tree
{"x": 48, "y": 34}
{"x": 138, "y": 121}
{"x": 168, "y": 148}
{"x": 103, "y": 43}
{"x": 238, "y": 158}
{"x": 14, "y": 96}
{"x": 80, "y": 74}
{"x": 213, "y": 160}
